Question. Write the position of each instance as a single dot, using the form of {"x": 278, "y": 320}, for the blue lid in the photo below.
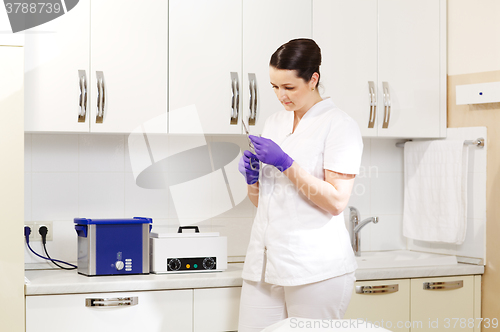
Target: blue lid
{"x": 135, "y": 220}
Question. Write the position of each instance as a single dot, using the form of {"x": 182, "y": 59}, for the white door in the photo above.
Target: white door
{"x": 409, "y": 61}
{"x": 128, "y": 65}
{"x": 444, "y": 304}
{"x": 155, "y": 311}
{"x": 56, "y": 70}
{"x": 205, "y": 66}
{"x": 266, "y": 26}
{"x": 346, "y": 32}
{"x": 384, "y": 303}
{"x": 216, "y": 309}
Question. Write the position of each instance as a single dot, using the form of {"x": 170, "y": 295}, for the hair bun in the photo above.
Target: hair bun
{"x": 302, "y": 55}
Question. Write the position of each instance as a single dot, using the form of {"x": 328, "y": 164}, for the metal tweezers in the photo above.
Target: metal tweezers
{"x": 250, "y": 144}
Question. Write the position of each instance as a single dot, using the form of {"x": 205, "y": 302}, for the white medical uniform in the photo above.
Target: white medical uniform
{"x": 301, "y": 242}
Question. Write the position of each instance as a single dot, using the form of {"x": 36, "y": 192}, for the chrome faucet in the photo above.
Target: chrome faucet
{"x": 355, "y": 225}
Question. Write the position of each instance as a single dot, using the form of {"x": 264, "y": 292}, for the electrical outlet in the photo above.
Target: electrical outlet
{"x": 47, "y": 224}
{"x": 35, "y": 225}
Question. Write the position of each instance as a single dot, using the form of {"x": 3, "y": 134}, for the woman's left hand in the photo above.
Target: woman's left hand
{"x": 249, "y": 167}
{"x": 270, "y": 153}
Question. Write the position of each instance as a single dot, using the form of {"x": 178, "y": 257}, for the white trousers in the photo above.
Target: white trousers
{"x": 264, "y": 304}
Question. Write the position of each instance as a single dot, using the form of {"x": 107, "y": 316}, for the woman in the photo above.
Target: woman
{"x": 299, "y": 261}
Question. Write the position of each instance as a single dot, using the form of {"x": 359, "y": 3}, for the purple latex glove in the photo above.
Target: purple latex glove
{"x": 270, "y": 153}
{"x": 247, "y": 161}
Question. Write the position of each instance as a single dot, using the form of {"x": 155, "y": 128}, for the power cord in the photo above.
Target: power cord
{"x": 43, "y": 232}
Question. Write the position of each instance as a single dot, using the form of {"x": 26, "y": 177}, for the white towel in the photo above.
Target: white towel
{"x": 435, "y": 193}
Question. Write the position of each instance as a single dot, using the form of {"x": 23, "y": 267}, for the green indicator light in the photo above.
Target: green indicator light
{"x": 195, "y": 266}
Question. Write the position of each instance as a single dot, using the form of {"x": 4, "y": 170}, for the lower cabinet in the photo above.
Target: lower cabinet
{"x": 187, "y": 310}
{"x": 381, "y": 303}
{"x": 216, "y": 309}
{"x": 420, "y": 304}
{"x": 449, "y": 304}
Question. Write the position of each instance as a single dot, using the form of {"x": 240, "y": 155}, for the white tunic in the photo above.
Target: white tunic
{"x": 301, "y": 242}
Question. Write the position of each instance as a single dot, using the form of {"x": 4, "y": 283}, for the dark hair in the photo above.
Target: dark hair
{"x": 302, "y": 55}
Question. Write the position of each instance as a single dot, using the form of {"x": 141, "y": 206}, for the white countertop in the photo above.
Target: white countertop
{"x": 47, "y": 282}
{"x": 419, "y": 272}
{"x": 70, "y": 282}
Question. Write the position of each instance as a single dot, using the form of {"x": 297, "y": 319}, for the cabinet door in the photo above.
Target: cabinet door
{"x": 128, "y": 64}
{"x": 410, "y": 48}
{"x": 155, "y": 311}
{"x": 443, "y": 303}
{"x": 204, "y": 51}
{"x": 56, "y": 69}
{"x": 266, "y": 26}
{"x": 216, "y": 309}
{"x": 346, "y": 32}
{"x": 384, "y": 303}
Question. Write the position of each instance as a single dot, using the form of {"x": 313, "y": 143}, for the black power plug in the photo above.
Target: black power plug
{"x": 43, "y": 230}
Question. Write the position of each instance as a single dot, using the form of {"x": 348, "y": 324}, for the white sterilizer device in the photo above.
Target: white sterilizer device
{"x": 184, "y": 252}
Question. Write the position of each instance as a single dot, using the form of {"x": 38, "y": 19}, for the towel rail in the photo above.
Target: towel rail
{"x": 477, "y": 142}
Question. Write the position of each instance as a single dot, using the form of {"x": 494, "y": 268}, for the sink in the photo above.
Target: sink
{"x": 402, "y": 258}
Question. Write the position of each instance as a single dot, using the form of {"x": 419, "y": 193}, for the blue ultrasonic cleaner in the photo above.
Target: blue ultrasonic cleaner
{"x": 113, "y": 246}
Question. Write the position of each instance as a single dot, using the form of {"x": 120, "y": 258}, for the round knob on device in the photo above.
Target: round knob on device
{"x": 208, "y": 263}
{"x": 119, "y": 265}
{"x": 174, "y": 264}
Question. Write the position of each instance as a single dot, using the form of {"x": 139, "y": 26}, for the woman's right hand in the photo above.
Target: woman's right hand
{"x": 249, "y": 166}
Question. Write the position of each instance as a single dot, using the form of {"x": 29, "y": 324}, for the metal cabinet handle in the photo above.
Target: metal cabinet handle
{"x": 252, "y": 83}
{"x": 99, "y": 92}
{"x": 250, "y": 102}
{"x": 101, "y": 97}
{"x": 112, "y": 302}
{"x": 253, "y": 119}
{"x": 235, "y": 98}
{"x": 82, "y": 81}
{"x": 373, "y": 104}
{"x": 381, "y": 289}
{"x": 387, "y": 105}
{"x": 443, "y": 285}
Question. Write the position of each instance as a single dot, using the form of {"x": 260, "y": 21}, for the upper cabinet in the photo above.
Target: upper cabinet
{"x": 55, "y": 53}
{"x": 384, "y": 63}
{"x": 128, "y": 53}
{"x": 204, "y": 66}
{"x": 99, "y": 68}
{"x": 102, "y": 66}
{"x": 219, "y": 55}
{"x": 266, "y": 26}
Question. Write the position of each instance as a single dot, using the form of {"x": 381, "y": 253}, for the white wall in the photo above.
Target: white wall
{"x": 91, "y": 176}
{"x": 378, "y": 192}
{"x": 68, "y": 176}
